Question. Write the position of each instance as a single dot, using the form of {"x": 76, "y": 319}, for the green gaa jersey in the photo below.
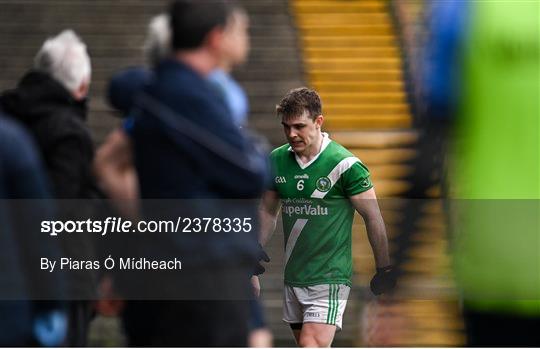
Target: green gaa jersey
{"x": 317, "y": 214}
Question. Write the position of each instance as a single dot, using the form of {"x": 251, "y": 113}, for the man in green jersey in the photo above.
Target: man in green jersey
{"x": 319, "y": 184}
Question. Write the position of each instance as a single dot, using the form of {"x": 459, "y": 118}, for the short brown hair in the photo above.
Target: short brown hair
{"x": 299, "y": 100}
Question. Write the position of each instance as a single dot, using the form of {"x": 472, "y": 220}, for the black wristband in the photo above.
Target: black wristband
{"x": 385, "y": 269}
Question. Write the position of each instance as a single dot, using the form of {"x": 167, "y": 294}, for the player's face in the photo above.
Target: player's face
{"x": 303, "y": 133}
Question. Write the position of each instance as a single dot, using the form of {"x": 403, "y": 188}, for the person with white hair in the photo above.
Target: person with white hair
{"x": 65, "y": 58}
{"x": 157, "y": 44}
{"x": 50, "y": 100}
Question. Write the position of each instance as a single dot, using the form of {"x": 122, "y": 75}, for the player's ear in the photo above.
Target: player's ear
{"x": 319, "y": 121}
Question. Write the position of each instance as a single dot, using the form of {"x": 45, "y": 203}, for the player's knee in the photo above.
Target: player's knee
{"x": 312, "y": 340}
{"x": 307, "y": 341}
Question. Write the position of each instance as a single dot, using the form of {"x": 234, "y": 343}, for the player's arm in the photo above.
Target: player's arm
{"x": 366, "y": 204}
{"x": 268, "y": 212}
{"x": 113, "y": 166}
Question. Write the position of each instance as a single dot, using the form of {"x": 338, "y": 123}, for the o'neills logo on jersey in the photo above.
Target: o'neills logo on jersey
{"x": 304, "y": 176}
{"x": 305, "y": 210}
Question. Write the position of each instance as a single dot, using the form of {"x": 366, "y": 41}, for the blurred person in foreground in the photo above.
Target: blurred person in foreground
{"x": 114, "y": 160}
{"x": 158, "y": 46}
{"x": 318, "y": 185}
{"x": 481, "y": 82}
{"x": 114, "y": 164}
{"x": 50, "y": 101}
{"x": 236, "y": 46}
{"x": 24, "y": 320}
{"x": 186, "y": 146}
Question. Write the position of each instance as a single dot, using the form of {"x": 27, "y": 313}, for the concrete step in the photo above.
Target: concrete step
{"x": 82, "y": 28}
{"x": 35, "y": 40}
{"x": 349, "y": 41}
{"x": 90, "y": 29}
{"x": 271, "y": 87}
{"x": 326, "y": 7}
{"x": 131, "y": 6}
{"x": 351, "y": 30}
{"x": 355, "y": 75}
{"x": 19, "y": 64}
{"x": 390, "y": 188}
{"x": 342, "y": 18}
{"x": 262, "y": 30}
{"x": 359, "y": 87}
{"x": 32, "y": 41}
{"x": 352, "y": 52}
{"x": 375, "y": 140}
{"x": 361, "y": 109}
{"x": 276, "y": 72}
{"x": 124, "y": 46}
{"x": 384, "y": 156}
{"x": 353, "y": 122}
{"x": 383, "y": 172}
{"x": 353, "y": 63}
{"x": 368, "y": 98}
{"x": 29, "y": 10}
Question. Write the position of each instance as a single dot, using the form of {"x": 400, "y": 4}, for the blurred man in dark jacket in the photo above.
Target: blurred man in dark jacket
{"x": 186, "y": 146}
{"x": 51, "y": 102}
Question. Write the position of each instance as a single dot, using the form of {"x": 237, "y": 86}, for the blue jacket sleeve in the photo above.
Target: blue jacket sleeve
{"x": 29, "y": 203}
{"x": 441, "y": 69}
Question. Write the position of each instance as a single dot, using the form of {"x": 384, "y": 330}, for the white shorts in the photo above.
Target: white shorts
{"x": 323, "y": 304}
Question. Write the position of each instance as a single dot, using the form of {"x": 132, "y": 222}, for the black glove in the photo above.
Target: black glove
{"x": 384, "y": 280}
{"x": 259, "y": 269}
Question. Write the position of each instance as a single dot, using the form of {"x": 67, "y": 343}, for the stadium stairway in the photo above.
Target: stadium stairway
{"x": 352, "y": 56}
